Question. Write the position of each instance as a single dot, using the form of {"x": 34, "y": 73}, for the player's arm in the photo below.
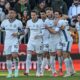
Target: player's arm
{"x": 2, "y": 28}
{"x": 53, "y": 31}
{"x": 26, "y": 30}
{"x": 72, "y": 29}
{"x": 62, "y": 27}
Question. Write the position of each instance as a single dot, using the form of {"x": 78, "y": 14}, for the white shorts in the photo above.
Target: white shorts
{"x": 11, "y": 48}
{"x": 66, "y": 46}
{"x": 53, "y": 46}
{"x": 46, "y": 47}
{"x": 35, "y": 46}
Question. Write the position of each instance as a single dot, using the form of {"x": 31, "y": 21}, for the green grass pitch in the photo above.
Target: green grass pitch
{"x": 32, "y": 76}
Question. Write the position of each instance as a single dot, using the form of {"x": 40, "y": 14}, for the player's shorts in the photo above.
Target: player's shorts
{"x": 45, "y": 47}
{"x": 53, "y": 46}
{"x": 35, "y": 46}
{"x": 11, "y": 48}
{"x": 65, "y": 46}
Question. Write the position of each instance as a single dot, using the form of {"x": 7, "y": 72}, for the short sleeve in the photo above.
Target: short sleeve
{"x": 27, "y": 24}
{"x": 77, "y": 26}
{"x": 2, "y": 25}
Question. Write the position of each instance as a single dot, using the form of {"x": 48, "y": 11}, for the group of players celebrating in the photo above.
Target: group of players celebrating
{"x": 49, "y": 35}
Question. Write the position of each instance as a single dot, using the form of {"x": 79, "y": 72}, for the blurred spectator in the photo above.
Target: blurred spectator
{"x": 2, "y": 14}
{"x": 20, "y": 6}
{"x": 41, "y": 6}
{"x": 25, "y": 17}
{"x": 74, "y": 9}
{"x": 48, "y": 2}
{"x": 69, "y": 3}
{"x": 2, "y": 4}
{"x": 7, "y": 8}
{"x": 12, "y": 2}
{"x": 33, "y": 3}
{"x": 59, "y": 5}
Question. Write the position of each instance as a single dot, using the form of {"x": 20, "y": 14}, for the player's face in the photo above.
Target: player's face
{"x": 56, "y": 14}
{"x": 78, "y": 18}
{"x": 49, "y": 13}
{"x": 12, "y": 14}
{"x": 43, "y": 15}
{"x": 34, "y": 15}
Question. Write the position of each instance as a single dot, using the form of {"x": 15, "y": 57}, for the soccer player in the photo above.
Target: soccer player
{"x": 78, "y": 29}
{"x": 46, "y": 33}
{"x": 65, "y": 43}
{"x": 49, "y": 25}
{"x": 35, "y": 41}
{"x": 59, "y": 52}
{"x": 12, "y": 28}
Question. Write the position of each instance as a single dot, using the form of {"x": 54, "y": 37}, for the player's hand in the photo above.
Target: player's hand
{"x": 46, "y": 27}
{"x": 55, "y": 22}
{"x": 15, "y": 34}
{"x": 62, "y": 27}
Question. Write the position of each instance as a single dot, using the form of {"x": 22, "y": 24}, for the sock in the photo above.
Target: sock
{"x": 71, "y": 64}
{"x": 67, "y": 63}
{"x": 52, "y": 63}
{"x": 39, "y": 61}
{"x": 60, "y": 60}
{"x": 28, "y": 62}
{"x": 44, "y": 62}
{"x": 9, "y": 66}
{"x": 16, "y": 60}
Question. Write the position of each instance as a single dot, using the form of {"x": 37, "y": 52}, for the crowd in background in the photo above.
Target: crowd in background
{"x": 23, "y": 8}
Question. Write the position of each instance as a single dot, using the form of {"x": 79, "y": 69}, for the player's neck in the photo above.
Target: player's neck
{"x": 12, "y": 20}
{"x": 50, "y": 17}
{"x": 35, "y": 20}
{"x": 43, "y": 19}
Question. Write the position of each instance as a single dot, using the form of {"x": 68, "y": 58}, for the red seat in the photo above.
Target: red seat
{"x": 23, "y": 48}
{"x": 1, "y": 49}
{"x": 74, "y": 49}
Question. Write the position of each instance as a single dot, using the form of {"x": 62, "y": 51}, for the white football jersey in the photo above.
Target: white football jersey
{"x": 10, "y": 28}
{"x": 78, "y": 28}
{"x": 56, "y": 36}
{"x": 45, "y": 32}
{"x": 65, "y": 34}
{"x": 35, "y": 28}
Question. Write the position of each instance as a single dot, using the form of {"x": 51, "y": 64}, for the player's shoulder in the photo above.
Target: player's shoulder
{"x": 61, "y": 20}
{"x": 40, "y": 21}
{"x": 5, "y": 20}
{"x": 29, "y": 21}
{"x": 19, "y": 21}
{"x": 77, "y": 24}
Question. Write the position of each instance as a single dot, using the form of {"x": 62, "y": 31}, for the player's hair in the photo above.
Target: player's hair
{"x": 13, "y": 9}
{"x": 34, "y": 11}
{"x": 60, "y": 13}
{"x": 42, "y": 11}
{"x": 49, "y": 8}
